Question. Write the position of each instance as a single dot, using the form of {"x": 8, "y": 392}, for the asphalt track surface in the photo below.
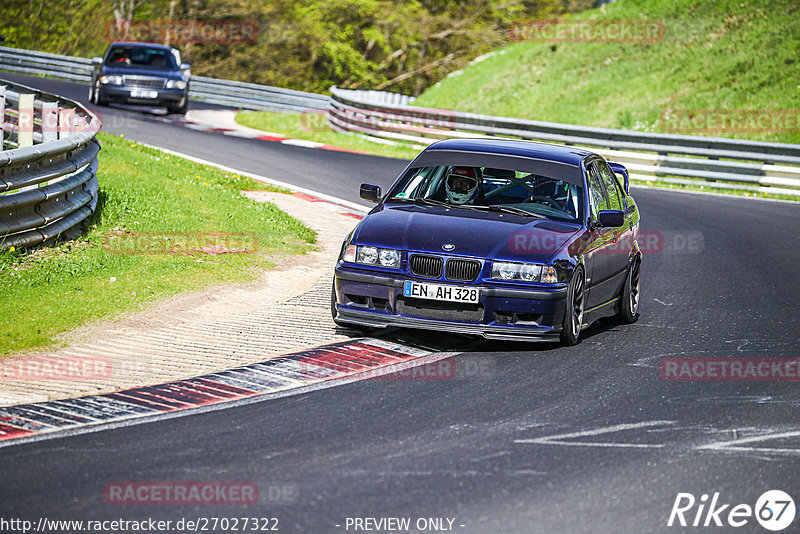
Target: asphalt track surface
{"x": 525, "y": 437}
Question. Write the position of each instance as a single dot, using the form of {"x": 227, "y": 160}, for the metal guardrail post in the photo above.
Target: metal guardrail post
{"x": 49, "y": 121}
{"x": 66, "y": 122}
{"x": 25, "y": 120}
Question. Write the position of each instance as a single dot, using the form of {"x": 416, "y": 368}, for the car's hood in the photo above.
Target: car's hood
{"x": 109, "y": 70}
{"x": 471, "y": 233}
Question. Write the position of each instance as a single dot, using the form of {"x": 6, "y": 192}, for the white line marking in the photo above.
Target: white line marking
{"x": 558, "y": 439}
{"x": 734, "y": 445}
{"x": 358, "y": 207}
{"x": 302, "y": 142}
{"x": 664, "y": 303}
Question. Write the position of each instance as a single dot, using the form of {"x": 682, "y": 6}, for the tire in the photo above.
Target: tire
{"x": 97, "y": 98}
{"x": 629, "y": 306}
{"x": 179, "y": 109}
{"x": 576, "y": 305}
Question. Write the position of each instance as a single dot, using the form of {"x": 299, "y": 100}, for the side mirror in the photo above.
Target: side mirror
{"x": 97, "y": 61}
{"x": 370, "y": 192}
{"x": 620, "y": 170}
{"x": 611, "y": 218}
{"x": 185, "y": 66}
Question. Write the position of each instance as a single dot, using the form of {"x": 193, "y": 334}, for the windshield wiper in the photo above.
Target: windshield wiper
{"x": 422, "y": 201}
{"x": 508, "y": 209}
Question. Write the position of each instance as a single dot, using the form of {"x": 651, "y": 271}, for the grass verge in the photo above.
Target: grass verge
{"x": 314, "y": 127}
{"x": 715, "y": 56}
{"x": 48, "y": 291}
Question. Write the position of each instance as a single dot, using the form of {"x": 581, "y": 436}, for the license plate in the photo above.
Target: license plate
{"x": 143, "y": 93}
{"x": 440, "y": 292}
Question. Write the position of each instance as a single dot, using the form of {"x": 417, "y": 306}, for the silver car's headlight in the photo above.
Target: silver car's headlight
{"x": 524, "y": 272}
{"x": 176, "y": 84}
{"x": 114, "y": 79}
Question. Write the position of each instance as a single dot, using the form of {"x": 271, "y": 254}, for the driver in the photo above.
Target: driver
{"x": 556, "y": 190}
{"x": 462, "y": 184}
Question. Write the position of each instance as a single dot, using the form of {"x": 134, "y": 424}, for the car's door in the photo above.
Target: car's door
{"x": 601, "y": 242}
{"x": 594, "y": 256}
{"x": 619, "y": 253}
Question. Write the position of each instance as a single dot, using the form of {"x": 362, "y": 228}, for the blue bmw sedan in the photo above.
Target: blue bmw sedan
{"x": 504, "y": 239}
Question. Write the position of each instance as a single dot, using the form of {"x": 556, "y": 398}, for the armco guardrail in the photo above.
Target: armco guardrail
{"x": 253, "y": 96}
{"x": 224, "y": 92}
{"x": 48, "y": 166}
{"x": 711, "y": 161}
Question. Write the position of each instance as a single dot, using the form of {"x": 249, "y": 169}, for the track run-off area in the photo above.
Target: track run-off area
{"x": 599, "y": 437}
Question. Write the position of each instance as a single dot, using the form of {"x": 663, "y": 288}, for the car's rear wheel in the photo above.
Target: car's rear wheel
{"x": 629, "y": 305}
{"x": 573, "y": 315}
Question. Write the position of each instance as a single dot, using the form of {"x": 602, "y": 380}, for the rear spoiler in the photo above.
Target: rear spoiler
{"x": 622, "y": 171}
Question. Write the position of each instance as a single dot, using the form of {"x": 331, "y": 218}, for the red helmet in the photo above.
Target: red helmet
{"x": 461, "y": 184}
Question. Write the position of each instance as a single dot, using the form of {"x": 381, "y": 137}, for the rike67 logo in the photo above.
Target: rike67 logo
{"x": 774, "y": 510}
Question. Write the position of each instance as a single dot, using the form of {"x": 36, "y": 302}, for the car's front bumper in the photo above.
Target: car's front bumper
{"x": 123, "y": 94}
{"x": 511, "y": 313}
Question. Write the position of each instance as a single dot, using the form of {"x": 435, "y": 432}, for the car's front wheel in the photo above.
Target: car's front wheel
{"x": 573, "y": 315}
{"x": 180, "y": 108}
{"x": 96, "y": 96}
{"x": 629, "y": 305}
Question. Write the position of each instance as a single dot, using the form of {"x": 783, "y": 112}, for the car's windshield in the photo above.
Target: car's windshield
{"x": 140, "y": 56}
{"x": 483, "y": 187}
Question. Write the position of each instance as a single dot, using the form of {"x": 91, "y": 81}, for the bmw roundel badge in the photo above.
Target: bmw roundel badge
{"x": 448, "y": 247}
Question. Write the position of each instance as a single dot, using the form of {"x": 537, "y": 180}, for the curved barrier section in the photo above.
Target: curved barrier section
{"x": 48, "y": 166}
{"x": 710, "y": 161}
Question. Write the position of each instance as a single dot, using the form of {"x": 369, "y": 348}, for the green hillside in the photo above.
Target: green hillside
{"x": 718, "y": 55}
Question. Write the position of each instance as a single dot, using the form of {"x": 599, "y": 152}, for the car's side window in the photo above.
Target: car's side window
{"x": 597, "y": 196}
{"x": 612, "y": 187}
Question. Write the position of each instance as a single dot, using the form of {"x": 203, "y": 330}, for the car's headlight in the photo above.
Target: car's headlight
{"x": 525, "y": 272}
{"x": 176, "y": 84}
{"x": 114, "y": 79}
{"x": 385, "y": 257}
